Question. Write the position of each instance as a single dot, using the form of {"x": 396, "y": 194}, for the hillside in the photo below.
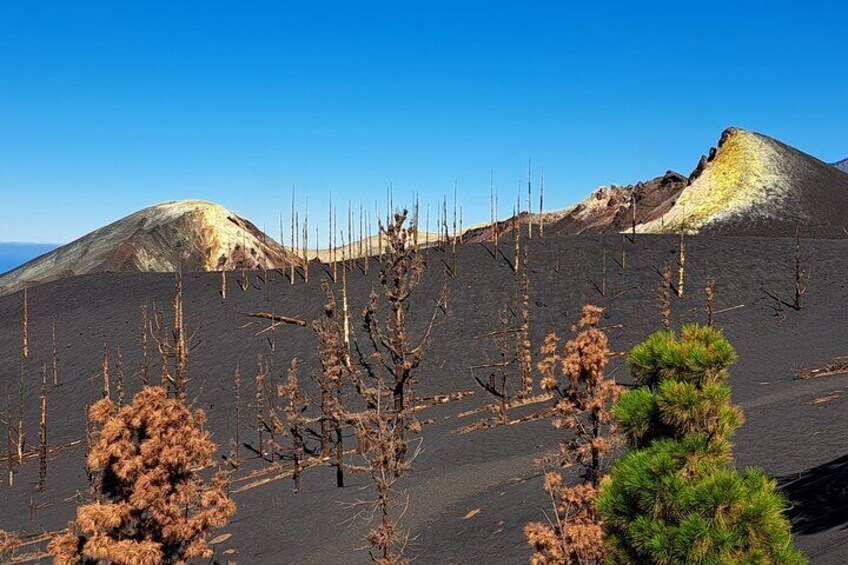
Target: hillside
{"x": 197, "y": 235}
{"x": 755, "y": 185}
{"x": 749, "y": 184}
{"x": 794, "y": 428}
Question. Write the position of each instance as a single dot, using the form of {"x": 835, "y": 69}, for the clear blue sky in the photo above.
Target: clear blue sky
{"x": 107, "y": 107}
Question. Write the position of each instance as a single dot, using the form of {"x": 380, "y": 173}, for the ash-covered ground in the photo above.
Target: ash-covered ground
{"x": 794, "y": 428}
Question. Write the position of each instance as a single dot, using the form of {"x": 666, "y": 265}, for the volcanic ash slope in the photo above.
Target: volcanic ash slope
{"x": 755, "y": 185}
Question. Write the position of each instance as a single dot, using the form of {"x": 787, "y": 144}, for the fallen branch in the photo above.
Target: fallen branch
{"x": 284, "y": 474}
{"x": 32, "y": 453}
{"x": 487, "y": 424}
{"x": 838, "y": 366}
{"x": 276, "y": 318}
{"x": 440, "y": 399}
{"x": 517, "y": 403}
{"x": 723, "y": 310}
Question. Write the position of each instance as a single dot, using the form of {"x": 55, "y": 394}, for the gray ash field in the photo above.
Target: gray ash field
{"x": 794, "y": 428}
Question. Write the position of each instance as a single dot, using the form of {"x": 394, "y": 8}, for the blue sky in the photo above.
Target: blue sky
{"x": 107, "y": 107}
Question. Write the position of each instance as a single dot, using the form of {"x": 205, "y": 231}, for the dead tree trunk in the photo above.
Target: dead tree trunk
{"x": 107, "y": 389}
{"x": 800, "y": 274}
{"x": 21, "y": 432}
{"x": 119, "y": 370}
{"x": 542, "y": 203}
{"x": 296, "y": 405}
{"x": 25, "y": 324}
{"x": 604, "y": 272}
{"x": 42, "y": 434}
{"x": 260, "y": 407}
{"x": 623, "y": 252}
{"x": 525, "y": 353}
{"x": 709, "y": 292}
{"x": 516, "y": 232}
{"x": 336, "y": 372}
{"x": 529, "y": 201}
{"x": 180, "y": 346}
{"x": 54, "y": 362}
{"x": 665, "y": 296}
{"x": 633, "y": 215}
{"x": 681, "y": 263}
{"x": 400, "y": 276}
{"x": 10, "y": 439}
{"x": 145, "y": 356}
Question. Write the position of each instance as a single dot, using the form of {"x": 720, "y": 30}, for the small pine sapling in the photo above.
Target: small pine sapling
{"x": 676, "y": 496}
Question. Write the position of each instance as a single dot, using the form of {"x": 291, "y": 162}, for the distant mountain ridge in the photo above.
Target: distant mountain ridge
{"x": 842, "y": 165}
{"x": 749, "y": 184}
{"x": 191, "y": 234}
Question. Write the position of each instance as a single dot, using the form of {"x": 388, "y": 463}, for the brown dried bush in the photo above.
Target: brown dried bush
{"x": 583, "y": 398}
{"x": 294, "y": 423}
{"x": 152, "y": 506}
{"x": 9, "y": 544}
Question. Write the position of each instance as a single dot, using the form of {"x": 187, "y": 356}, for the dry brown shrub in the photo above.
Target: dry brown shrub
{"x": 9, "y": 544}
{"x": 152, "y": 506}
{"x": 583, "y": 395}
{"x": 294, "y": 423}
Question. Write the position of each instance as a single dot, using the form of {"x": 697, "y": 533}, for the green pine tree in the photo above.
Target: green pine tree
{"x": 676, "y": 498}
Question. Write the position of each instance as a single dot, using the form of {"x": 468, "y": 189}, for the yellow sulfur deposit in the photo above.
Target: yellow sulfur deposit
{"x": 745, "y": 176}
